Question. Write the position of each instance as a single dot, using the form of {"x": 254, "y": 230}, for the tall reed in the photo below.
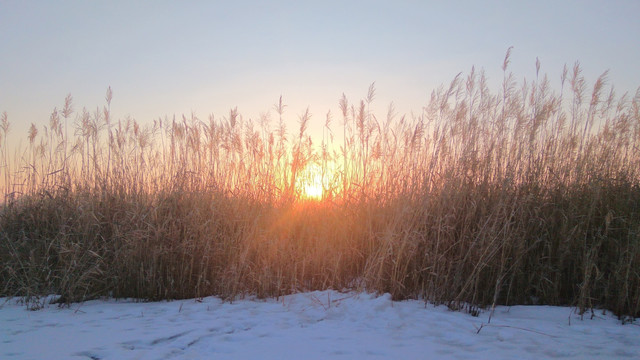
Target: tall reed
{"x": 520, "y": 195}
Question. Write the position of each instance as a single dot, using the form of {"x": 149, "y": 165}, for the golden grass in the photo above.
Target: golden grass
{"x": 523, "y": 195}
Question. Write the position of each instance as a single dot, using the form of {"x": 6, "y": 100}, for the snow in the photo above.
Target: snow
{"x": 314, "y": 325}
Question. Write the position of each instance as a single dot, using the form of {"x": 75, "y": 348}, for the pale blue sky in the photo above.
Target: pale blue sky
{"x": 164, "y": 58}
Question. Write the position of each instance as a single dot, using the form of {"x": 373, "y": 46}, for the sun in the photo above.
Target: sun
{"x": 313, "y": 190}
{"x": 310, "y": 185}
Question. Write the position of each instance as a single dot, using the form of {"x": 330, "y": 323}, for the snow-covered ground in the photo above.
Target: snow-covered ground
{"x": 316, "y": 325}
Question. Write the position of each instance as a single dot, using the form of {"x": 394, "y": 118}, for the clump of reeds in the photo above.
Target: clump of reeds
{"x": 515, "y": 196}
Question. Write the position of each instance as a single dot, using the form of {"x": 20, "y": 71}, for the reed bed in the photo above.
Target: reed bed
{"x": 520, "y": 195}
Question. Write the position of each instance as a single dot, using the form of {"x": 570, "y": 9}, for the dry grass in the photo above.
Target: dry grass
{"x": 522, "y": 195}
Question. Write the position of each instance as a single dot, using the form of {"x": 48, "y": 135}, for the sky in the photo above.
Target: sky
{"x": 205, "y": 57}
